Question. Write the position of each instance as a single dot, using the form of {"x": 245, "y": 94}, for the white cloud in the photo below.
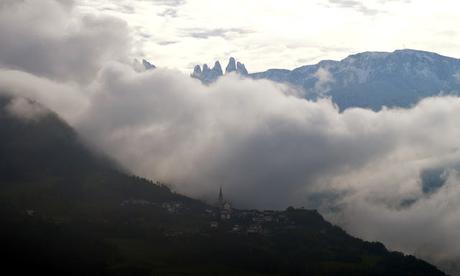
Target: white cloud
{"x": 26, "y": 109}
{"x": 424, "y": 229}
{"x": 457, "y": 76}
{"x": 67, "y": 99}
{"x": 324, "y": 78}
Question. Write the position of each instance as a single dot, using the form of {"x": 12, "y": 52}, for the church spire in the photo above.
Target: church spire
{"x": 221, "y": 197}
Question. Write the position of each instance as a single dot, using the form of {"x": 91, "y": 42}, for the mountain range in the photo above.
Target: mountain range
{"x": 370, "y": 79}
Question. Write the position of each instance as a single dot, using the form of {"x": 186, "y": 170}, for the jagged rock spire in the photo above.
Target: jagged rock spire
{"x": 206, "y": 69}
{"x": 196, "y": 71}
{"x": 217, "y": 69}
{"x": 231, "y": 67}
{"x": 148, "y": 65}
{"x": 241, "y": 69}
{"x": 221, "y": 196}
{"x": 208, "y": 75}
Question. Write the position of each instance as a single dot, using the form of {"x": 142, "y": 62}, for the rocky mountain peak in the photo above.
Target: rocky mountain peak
{"x": 148, "y": 65}
{"x": 217, "y": 69}
{"x": 231, "y": 67}
{"x": 196, "y": 70}
{"x": 206, "y": 69}
{"x": 241, "y": 69}
{"x": 208, "y": 75}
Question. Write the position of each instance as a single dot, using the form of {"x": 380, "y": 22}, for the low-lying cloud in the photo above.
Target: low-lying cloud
{"x": 26, "y": 109}
{"x": 367, "y": 171}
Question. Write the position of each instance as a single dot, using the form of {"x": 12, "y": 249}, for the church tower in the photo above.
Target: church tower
{"x": 220, "y": 200}
{"x": 225, "y": 207}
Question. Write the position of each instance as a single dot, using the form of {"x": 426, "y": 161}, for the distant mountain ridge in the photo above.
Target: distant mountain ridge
{"x": 373, "y": 79}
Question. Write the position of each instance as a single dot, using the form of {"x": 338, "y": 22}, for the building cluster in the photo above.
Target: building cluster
{"x": 246, "y": 221}
{"x": 223, "y": 217}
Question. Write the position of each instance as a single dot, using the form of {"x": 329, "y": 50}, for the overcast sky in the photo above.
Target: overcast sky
{"x": 281, "y": 34}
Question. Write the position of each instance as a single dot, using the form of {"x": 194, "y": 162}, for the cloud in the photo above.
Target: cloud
{"x": 173, "y": 3}
{"x": 355, "y": 5}
{"x": 269, "y": 149}
{"x": 122, "y": 8}
{"x": 359, "y": 6}
{"x": 67, "y": 99}
{"x": 26, "y": 109}
{"x": 424, "y": 229}
{"x": 217, "y": 32}
{"x": 168, "y": 13}
{"x": 166, "y": 42}
{"x": 324, "y": 78}
{"x": 172, "y": 7}
{"x": 457, "y": 76}
{"x": 47, "y": 38}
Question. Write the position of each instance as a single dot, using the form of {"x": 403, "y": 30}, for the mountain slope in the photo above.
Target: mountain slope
{"x": 375, "y": 79}
{"x": 43, "y": 162}
{"x": 66, "y": 211}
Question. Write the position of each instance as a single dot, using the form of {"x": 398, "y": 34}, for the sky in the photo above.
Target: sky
{"x": 281, "y": 34}
{"x": 268, "y": 147}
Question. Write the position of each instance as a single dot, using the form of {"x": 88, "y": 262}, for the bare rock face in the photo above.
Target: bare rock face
{"x": 148, "y": 65}
{"x": 196, "y": 71}
{"x": 241, "y": 69}
{"x": 217, "y": 69}
{"x": 206, "y": 69}
{"x": 231, "y": 67}
{"x": 208, "y": 75}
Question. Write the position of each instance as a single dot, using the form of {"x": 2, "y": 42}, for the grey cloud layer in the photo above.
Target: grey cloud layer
{"x": 267, "y": 147}
{"x": 38, "y": 37}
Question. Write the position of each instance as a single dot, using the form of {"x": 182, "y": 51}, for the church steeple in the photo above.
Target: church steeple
{"x": 225, "y": 207}
{"x": 221, "y": 197}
